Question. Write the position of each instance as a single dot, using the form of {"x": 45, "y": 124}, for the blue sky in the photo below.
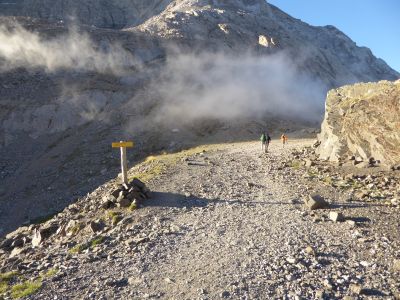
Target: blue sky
{"x": 371, "y": 23}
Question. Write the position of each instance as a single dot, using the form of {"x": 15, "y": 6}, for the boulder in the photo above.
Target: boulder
{"x": 315, "y": 201}
{"x": 368, "y": 125}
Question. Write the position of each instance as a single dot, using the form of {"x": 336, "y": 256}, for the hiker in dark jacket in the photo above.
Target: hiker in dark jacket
{"x": 267, "y": 143}
{"x": 263, "y": 140}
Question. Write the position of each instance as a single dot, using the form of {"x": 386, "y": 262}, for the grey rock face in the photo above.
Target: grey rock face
{"x": 362, "y": 120}
{"x": 324, "y": 52}
{"x": 107, "y": 14}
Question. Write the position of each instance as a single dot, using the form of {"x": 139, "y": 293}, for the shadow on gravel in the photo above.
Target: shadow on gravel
{"x": 359, "y": 219}
{"x": 355, "y": 205}
{"x": 330, "y": 255}
{"x": 161, "y": 199}
{"x": 373, "y": 292}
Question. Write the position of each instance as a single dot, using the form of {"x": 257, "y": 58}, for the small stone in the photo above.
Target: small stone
{"x": 316, "y": 202}
{"x": 310, "y": 250}
{"x": 136, "y": 241}
{"x": 139, "y": 184}
{"x": 48, "y": 230}
{"x": 364, "y": 263}
{"x": 328, "y": 284}
{"x": 291, "y": 260}
{"x": 356, "y": 289}
{"x": 336, "y": 216}
{"x": 96, "y": 226}
{"x": 124, "y": 202}
{"x": 107, "y": 204}
{"x": 16, "y": 252}
{"x": 308, "y": 163}
{"x": 361, "y": 194}
{"x": 18, "y": 242}
{"x": 173, "y": 228}
{"x": 134, "y": 281}
{"x": 319, "y": 294}
{"x": 358, "y": 159}
{"x": 363, "y": 165}
{"x": 225, "y": 294}
{"x": 351, "y": 223}
{"x": 395, "y": 167}
{"x": 61, "y": 231}
{"x": 396, "y": 265}
{"x": 36, "y": 238}
{"x": 168, "y": 280}
{"x": 6, "y": 244}
{"x": 115, "y": 193}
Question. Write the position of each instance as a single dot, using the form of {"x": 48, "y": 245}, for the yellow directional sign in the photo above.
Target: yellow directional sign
{"x": 122, "y": 144}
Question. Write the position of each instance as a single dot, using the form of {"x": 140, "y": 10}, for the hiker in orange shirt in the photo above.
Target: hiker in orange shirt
{"x": 284, "y": 139}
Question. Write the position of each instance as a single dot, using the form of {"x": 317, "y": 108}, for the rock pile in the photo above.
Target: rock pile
{"x": 358, "y": 183}
{"x": 64, "y": 227}
{"x": 126, "y": 195}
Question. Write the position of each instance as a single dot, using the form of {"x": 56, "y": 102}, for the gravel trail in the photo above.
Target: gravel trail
{"x": 231, "y": 224}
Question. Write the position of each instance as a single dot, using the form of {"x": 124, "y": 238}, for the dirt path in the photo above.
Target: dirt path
{"x": 229, "y": 224}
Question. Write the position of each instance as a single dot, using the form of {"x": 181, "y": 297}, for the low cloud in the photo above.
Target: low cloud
{"x": 72, "y": 50}
{"x": 228, "y": 87}
{"x": 186, "y": 87}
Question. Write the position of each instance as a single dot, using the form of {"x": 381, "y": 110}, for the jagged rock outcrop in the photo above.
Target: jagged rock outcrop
{"x": 362, "y": 120}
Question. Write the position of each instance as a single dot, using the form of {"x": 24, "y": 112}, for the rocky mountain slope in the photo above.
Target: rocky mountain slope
{"x": 362, "y": 120}
{"x": 324, "y": 52}
{"x": 106, "y": 14}
{"x": 73, "y": 91}
{"x": 223, "y": 222}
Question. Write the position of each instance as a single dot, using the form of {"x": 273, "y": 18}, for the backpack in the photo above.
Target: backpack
{"x": 263, "y": 138}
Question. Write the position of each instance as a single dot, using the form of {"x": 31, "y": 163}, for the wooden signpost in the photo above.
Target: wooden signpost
{"x": 124, "y": 164}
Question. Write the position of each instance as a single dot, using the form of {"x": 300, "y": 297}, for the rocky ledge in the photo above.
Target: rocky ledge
{"x": 362, "y": 122}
